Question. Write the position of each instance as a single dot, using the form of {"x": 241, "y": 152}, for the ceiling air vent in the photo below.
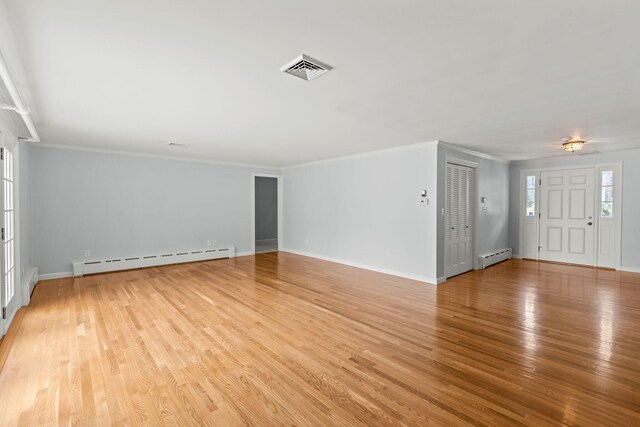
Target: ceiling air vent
{"x": 306, "y": 68}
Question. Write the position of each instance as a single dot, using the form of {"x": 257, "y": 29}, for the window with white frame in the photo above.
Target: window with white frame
{"x": 530, "y": 208}
{"x": 606, "y": 201}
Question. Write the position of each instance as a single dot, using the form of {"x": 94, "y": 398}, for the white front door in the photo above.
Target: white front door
{"x": 458, "y": 220}
{"x": 567, "y": 216}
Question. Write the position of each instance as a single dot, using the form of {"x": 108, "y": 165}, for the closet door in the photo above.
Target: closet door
{"x": 458, "y": 219}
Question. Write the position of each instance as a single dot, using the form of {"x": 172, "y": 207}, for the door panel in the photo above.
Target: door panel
{"x": 458, "y": 220}
{"x": 567, "y": 216}
{"x": 8, "y": 277}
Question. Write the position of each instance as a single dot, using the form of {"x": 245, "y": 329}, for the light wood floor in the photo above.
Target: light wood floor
{"x": 281, "y": 339}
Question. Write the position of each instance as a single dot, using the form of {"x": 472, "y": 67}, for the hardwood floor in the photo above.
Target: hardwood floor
{"x": 284, "y": 339}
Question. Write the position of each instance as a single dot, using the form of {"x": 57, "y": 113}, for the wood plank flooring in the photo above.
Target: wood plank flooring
{"x": 281, "y": 339}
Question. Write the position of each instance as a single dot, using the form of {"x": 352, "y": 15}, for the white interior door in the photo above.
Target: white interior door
{"x": 458, "y": 220}
{"x": 567, "y": 216}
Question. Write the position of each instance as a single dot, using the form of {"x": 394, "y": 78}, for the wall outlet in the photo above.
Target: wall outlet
{"x": 87, "y": 253}
{"x": 214, "y": 243}
{"x": 208, "y": 243}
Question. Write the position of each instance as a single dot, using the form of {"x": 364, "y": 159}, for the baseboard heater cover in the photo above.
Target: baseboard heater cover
{"x": 81, "y": 268}
{"x": 30, "y": 279}
{"x": 486, "y": 260}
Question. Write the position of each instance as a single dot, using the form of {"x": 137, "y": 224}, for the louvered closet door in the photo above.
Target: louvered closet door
{"x": 458, "y": 220}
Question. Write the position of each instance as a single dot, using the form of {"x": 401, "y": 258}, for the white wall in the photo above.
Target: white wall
{"x": 492, "y": 182}
{"x": 365, "y": 210}
{"x": 117, "y": 205}
{"x": 266, "y": 208}
{"x": 630, "y": 196}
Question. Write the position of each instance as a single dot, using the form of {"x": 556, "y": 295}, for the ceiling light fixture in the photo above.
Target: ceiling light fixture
{"x": 573, "y": 145}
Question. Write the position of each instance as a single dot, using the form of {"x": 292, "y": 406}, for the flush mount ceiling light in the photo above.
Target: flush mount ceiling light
{"x": 573, "y": 144}
{"x": 306, "y": 68}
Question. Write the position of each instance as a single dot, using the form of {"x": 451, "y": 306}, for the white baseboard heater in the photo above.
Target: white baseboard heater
{"x": 494, "y": 257}
{"x": 80, "y": 268}
{"x": 30, "y": 279}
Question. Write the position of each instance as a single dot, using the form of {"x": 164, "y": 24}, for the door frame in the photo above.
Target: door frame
{"x": 617, "y": 196}
{"x": 279, "y": 179}
{"x": 474, "y": 206}
{"x": 19, "y": 299}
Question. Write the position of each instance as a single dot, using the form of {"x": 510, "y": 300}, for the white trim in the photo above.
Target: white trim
{"x": 245, "y": 253}
{"x": 516, "y": 256}
{"x": 9, "y": 320}
{"x": 152, "y": 156}
{"x": 440, "y": 280}
{"x": 472, "y": 152}
{"x": 427, "y": 280}
{"x": 50, "y": 276}
{"x": 363, "y": 154}
{"x": 280, "y": 235}
{"x": 630, "y": 269}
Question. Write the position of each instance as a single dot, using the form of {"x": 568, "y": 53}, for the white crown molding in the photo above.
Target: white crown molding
{"x": 364, "y": 154}
{"x": 464, "y": 150}
{"x": 150, "y": 156}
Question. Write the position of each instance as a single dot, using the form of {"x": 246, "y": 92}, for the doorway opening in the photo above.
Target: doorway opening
{"x": 267, "y": 217}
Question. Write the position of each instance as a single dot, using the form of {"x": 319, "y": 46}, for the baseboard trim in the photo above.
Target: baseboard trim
{"x": 428, "y": 280}
{"x": 61, "y": 275}
{"x": 516, "y": 256}
{"x": 630, "y": 269}
{"x": 246, "y": 253}
{"x": 7, "y": 341}
{"x": 441, "y": 280}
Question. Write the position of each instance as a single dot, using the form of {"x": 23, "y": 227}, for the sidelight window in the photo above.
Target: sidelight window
{"x": 606, "y": 202}
{"x": 531, "y": 195}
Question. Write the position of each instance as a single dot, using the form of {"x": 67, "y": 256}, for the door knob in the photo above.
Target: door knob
{"x": 453, "y": 228}
{"x": 589, "y": 223}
